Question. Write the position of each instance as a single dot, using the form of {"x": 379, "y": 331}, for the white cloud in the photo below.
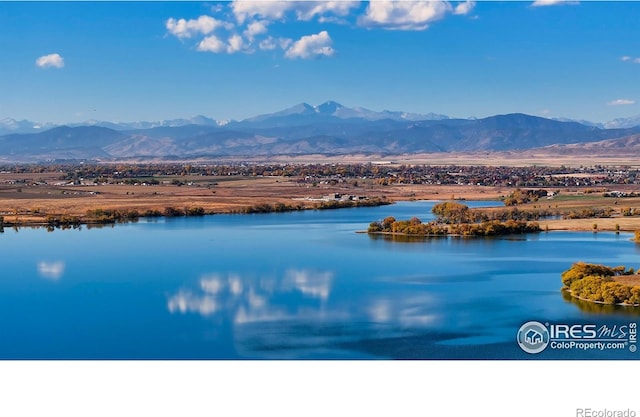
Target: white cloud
{"x": 202, "y": 25}
{"x": 216, "y": 45}
{"x": 256, "y": 28}
{"x": 250, "y": 31}
{"x": 541, "y": 3}
{"x": 236, "y": 44}
{"x": 627, "y": 58}
{"x": 273, "y": 10}
{"x": 212, "y": 44}
{"x": 217, "y": 8}
{"x": 51, "y": 270}
{"x": 50, "y": 61}
{"x": 404, "y": 15}
{"x": 309, "y": 9}
{"x": 285, "y": 42}
{"x": 621, "y": 102}
{"x": 464, "y": 8}
{"x": 268, "y": 44}
{"x": 311, "y": 46}
{"x": 276, "y": 10}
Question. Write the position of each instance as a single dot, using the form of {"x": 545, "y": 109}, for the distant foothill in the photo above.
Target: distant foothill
{"x": 327, "y": 129}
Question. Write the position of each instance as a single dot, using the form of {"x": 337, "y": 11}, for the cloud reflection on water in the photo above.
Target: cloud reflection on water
{"x": 298, "y": 294}
{"x": 251, "y": 300}
{"x": 296, "y": 313}
{"x": 316, "y": 284}
{"x": 52, "y": 271}
{"x": 187, "y": 302}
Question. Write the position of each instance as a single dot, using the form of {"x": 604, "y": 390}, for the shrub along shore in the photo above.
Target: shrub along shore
{"x": 602, "y": 284}
{"x": 99, "y": 216}
{"x": 457, "y": 219}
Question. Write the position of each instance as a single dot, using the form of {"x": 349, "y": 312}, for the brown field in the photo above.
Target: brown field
{"x": 631, "y": 280}
{"x": 30, "y": 204}
{"x": 540, "y": 157}
{"x": 23, "y": 204}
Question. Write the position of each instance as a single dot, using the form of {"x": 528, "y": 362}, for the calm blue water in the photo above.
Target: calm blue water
{"x": 289, "y": 286}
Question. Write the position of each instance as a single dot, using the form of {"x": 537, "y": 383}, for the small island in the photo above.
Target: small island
{"x": 602, "y": 284}
{"x": 453, "y": 219}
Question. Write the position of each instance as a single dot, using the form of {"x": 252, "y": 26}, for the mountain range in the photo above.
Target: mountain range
{"x": 329, "y": 128}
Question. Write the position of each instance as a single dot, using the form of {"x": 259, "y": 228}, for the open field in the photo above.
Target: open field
{"x": 32, "y": 204}
{"x": 539, "y": 157}
{"x": 29, "y": 198}
{"x": 632, "y": 280}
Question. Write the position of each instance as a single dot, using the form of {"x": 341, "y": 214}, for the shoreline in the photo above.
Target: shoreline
{"x": 70, "y": 222}
{"x": 43, "y": 202}
{"x": 611, "y": 224}
{"x": 568, "y": 291}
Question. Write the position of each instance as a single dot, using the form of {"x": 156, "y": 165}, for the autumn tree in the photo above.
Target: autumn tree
{"x": 451, "y": 212}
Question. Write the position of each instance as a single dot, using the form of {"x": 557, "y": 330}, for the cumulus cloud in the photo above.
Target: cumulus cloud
{"x": 50, "y": 61}
{"x": 202, "y": 25}
{"x": 256, "y": 28}
{"x": 404, "y": 15}
{"x": 277, "y": 10}
{"x": 311, "y": 46}
{"x": 311, "y": 9}
{"x": 542, "y": 3}
{"x": 243, "y": 26}
{"x": 464, "y": 8}
{"x": 212, "y": 44}
{"x": 273, "y": 10}
{"x": 236, "y": 44}
{"x": 216, "y": 45}
{"x": 621, "y": 102}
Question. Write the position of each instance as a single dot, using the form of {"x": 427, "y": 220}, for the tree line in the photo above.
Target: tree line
{"x": 453, "y": 218}
{"x": 597, "y": 283}
{"x": 325, "y": 205}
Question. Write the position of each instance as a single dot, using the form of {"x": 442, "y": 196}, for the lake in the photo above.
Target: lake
{"x": 299, "y": 285}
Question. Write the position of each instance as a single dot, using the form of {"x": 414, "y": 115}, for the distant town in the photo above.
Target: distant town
{"x": 332, "y": 174}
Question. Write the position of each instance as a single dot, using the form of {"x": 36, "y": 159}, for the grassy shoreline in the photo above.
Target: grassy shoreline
{"x": 33, "y": 205}
{"x": 101, "y": 217}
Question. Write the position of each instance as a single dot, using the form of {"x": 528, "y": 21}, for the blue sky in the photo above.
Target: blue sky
{"x": 123, "y": 61}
